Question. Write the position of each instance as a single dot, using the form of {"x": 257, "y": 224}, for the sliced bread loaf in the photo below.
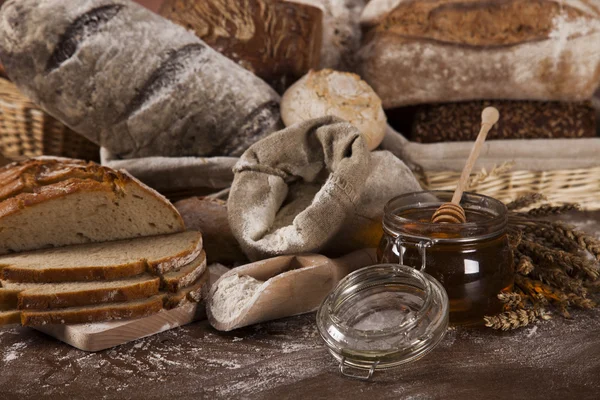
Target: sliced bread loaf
{"x": 10, "y": 317}
{"x": 185, "y": 276}
{"x": 103, "y": 261}
{"x": 98, "y": 313}
{"x": 50, "y": 204}
{"x": 36, "y": 296}
{"x": 191, "y": 293}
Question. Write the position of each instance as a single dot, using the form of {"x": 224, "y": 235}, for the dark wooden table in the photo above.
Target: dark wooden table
{"x": 557, "y": 359}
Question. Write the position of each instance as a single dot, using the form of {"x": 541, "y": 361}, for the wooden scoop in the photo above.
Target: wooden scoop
{"x": 453, "y": 213}
{"x": 292, "y": 285}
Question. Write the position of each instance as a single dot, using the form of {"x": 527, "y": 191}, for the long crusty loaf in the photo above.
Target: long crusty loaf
{"x": 132, "y": 81}
{"x": 103, "y": 261}
{"x": 450, "y": 50}
{"x": 98, "y": 313}
{"x": 48, "y": 203}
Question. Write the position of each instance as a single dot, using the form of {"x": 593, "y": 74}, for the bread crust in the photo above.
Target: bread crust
{"x": 173, "y": 283}
{"x": 192, "y": 293}
{"x": 10, "y": 317}
{"x": 32, "y": 300}
{"x": 103, "y": 313}
{"x": 9, "y": 299}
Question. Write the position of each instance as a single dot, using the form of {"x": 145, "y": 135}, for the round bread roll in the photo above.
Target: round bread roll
{"x": 342, "y": 94}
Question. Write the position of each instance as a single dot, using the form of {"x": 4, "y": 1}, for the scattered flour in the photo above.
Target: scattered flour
{"x": 232, "y": 294}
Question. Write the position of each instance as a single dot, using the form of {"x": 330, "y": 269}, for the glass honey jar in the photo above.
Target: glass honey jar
{"x": 472, "y": 261}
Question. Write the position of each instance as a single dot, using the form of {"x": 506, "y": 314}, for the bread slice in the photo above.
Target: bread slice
{"x": 103, "y": 261}
{"x": 185, "y": 276}
{"x": 10, "y": 317}
{"x": 193, "y": 293}
{"x": 36, "y": 296}
{"x": 80, "y": 204}
{"x": 9, "y": 298}
{"x": 98, "y": 313}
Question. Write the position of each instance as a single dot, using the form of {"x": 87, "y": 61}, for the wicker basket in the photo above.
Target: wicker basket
{"x": 561, "y": 186}
{"x": 27, "y": 131}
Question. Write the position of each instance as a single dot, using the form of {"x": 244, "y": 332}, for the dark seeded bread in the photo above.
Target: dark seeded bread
{"x": 131, "y": 80}
{"x": 98, "y": 313}
{"x": 77, "y": 203}
{"x": 103, "y": 261}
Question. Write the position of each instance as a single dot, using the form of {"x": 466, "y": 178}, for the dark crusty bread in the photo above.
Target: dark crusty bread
{"x": 103, "y": 261}
{"x": 192, "y": 293}
{"x": 209, "y": 216}
{"x": 10, "y": 317}
{"x": 41, "y": 296}
{"x": 278, "y": 41}
{"x": 49, "y": 203}
{"x": 433, "y": 51}
{"x": 447, "y": 122}
{"x": 9, "y": 298}
{"x": 98, "y": 313}
{"x": 131, "y": 80}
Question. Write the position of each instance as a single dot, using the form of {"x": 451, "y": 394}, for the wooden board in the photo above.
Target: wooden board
{"x": 101, "y": 336}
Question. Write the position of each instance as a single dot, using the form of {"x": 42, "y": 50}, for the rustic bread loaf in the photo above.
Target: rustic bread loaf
{"x": 132, "y": 81}
{"x": 98, "y": 313}
{"x": 103, "y": 261}
{"x": 519, "y": 120}
{"x": 341, "y": 94}
{"x": 341, "y": 31}
{"x": 209, "y": 216}
{"x": 450, "y": 50}
{"x": 278, "y": 41}
{"x": 46, "y": 203}
{"x": 41, "y": 296}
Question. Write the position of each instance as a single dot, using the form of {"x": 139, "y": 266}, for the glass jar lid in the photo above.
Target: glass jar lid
{"x": 381, "y": 317}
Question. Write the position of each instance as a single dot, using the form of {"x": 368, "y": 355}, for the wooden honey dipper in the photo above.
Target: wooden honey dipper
{"x": 453, "y": 213}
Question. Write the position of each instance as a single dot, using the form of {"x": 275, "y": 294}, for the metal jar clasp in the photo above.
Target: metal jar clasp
{"x": 345, "y": 366}
{"x": 422, "y": 246}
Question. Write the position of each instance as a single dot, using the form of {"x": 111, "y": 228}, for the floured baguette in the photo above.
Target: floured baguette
{"x": 10, "y": 317}
{"x": 50, "y": 203}
{"x": 98, "y": 313}
{"x": 185, "y": 276}
{"x": 35, "y": 296}
{"x": 103, "y": 261}
{"x": 192, "y": 293}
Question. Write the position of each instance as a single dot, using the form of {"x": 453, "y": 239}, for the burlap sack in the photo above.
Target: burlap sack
{"x": 313, "y": 187}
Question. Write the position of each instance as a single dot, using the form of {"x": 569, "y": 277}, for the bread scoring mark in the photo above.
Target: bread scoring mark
{"x": 164, "y": 76}
{"x": 82, "y": 28}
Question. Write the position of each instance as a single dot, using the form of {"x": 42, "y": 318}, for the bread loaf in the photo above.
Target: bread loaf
{"x": 209, "y": 216}
{"x": 133, "y": 81}
{"x": 519, "y": 120}
{"x": 49, "y": 202}
{"x": 341, "y": 31}
{"x": 278, "y": 41}
{"x": 341, "y": 94}
{"x": 450, "y": 50}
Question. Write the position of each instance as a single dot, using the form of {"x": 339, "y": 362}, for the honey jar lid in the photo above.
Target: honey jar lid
{"x": 381, "y": 317}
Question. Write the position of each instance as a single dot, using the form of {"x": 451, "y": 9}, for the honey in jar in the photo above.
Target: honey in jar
{"x": 472, "y": 261}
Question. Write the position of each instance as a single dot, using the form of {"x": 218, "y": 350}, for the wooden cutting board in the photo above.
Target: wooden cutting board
{"x": 102, "y": 336}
